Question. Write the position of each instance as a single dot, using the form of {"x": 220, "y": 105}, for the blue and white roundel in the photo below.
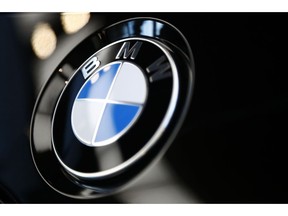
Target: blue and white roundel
{"x": 108, "y": 103}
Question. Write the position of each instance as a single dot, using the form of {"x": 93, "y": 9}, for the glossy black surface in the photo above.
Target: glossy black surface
{"x": 233, "y": 145}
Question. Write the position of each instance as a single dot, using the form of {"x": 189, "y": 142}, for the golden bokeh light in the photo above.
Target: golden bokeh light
{"x": 43, "y": 40}
{"x": 73, "y": 22}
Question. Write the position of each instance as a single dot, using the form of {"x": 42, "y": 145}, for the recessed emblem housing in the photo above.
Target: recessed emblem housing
{"x": 111, "y": 107}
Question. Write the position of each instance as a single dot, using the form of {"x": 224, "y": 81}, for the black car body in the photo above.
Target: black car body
{"x": 232, "y": 147}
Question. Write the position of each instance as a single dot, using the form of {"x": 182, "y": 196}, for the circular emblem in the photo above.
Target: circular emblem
{"x": 113, "y": 104}
{"x": 107, "y": 113}
{"x": 108, "y": 103}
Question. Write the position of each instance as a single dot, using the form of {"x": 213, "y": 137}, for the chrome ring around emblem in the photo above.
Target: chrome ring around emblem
{"x": 117, "y": 112}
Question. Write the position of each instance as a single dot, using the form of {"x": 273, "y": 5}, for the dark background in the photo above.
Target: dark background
{"x": 233, "y": 145}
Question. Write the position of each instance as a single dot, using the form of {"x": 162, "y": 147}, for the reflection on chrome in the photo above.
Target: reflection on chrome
{"x": 147, "y": 28}
{"x": 43, "y": 40}
{"x": 73, "y": 22}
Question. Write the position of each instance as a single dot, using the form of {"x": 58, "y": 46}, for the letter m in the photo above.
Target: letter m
{"x": 125, "y": 50}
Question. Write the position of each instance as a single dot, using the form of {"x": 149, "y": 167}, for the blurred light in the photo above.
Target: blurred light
{"x": 73, "y": 22}
{"x": 43, "y": 40}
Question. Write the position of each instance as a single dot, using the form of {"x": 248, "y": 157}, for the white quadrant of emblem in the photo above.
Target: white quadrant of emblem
{"x": 108, "y": 103}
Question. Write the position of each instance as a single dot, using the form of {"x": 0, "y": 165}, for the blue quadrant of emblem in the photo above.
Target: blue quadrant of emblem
{"x": 115, "y": 119}
{"x": 98, "y": 86}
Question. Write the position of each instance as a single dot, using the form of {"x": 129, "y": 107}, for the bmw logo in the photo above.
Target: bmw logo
{"x": 112, "y": 107}
{"x": 108, "y": 103}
